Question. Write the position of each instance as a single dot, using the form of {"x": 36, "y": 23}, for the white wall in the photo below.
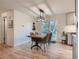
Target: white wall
{"x": 0, "y": 28}
{"x": 22, "y": 27}
{"x": 61, "y": 22}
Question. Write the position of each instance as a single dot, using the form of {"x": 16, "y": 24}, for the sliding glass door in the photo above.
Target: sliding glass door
{"x": 50, "y": 26}
{"x": 53, "y": 29}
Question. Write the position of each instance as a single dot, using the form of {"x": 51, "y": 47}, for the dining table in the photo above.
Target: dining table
{"x": 37, "y": 38}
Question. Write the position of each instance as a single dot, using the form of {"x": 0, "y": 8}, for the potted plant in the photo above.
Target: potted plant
{"x": 63, "y": 37}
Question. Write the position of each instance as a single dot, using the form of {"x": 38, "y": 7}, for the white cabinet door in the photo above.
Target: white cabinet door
{"x": 75, "y": 45}
{"x": 71, "y": 19}
{"x": 69, "y": 42}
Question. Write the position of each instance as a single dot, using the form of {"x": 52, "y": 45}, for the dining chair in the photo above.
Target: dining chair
{"x": 45, "y": 40}
{"x": 50, "y": 36}
{"x": 32, "y": 38}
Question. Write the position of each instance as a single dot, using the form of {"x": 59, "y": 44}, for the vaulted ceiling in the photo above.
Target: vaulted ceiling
{"x": 30, "y": 7}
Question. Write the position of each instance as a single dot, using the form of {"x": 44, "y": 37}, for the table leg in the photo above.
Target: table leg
{"x": 36, "y": 44}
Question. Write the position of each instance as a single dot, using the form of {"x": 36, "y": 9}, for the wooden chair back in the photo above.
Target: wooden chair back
{"x": 47, "y": 37}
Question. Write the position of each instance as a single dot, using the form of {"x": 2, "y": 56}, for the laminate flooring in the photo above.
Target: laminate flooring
{"x": 53, "y": 51}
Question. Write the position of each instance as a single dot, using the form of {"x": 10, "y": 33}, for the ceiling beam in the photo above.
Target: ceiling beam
{"x": 25, "y": 13}
{"x": 30, "y": 10}
{"x": 17, "y": 3}
{"x": 21, "y": 5}
{"x": 36, "y": 5}
{"x": 47, "y": 4}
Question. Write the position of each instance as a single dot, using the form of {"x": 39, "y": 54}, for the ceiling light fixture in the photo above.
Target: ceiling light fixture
{"x": 42, "y": 15}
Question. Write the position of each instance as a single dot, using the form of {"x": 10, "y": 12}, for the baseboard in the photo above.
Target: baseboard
{"x": 69, "y": 44}
{"x": 52, "y": 41}
{"x": 20, "y": 43}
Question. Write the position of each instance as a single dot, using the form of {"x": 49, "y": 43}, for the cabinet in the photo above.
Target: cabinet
{"x": 71, "y": 19}
{"x": 75, "y": 47}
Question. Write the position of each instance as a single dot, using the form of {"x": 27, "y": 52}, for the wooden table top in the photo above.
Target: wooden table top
{"x": 37, "y": 36}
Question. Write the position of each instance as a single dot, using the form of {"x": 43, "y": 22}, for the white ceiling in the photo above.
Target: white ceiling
{"x": 30, "y": 7}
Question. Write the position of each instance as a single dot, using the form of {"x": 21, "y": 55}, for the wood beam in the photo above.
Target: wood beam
{"x": 47, "y": 4}
{"x": 27, "y": 8}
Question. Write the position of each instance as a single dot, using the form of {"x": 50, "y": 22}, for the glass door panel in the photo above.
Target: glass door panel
{"x": 53, "y": 29}
{"x": 50, "y": 26}
{"x": 45, "y": 27}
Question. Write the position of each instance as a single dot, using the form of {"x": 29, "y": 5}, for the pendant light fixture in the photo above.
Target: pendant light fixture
{"x": 42, "y": 15}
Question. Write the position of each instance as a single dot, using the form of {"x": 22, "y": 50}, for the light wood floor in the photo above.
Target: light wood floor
{"x": 54, "y": 51}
